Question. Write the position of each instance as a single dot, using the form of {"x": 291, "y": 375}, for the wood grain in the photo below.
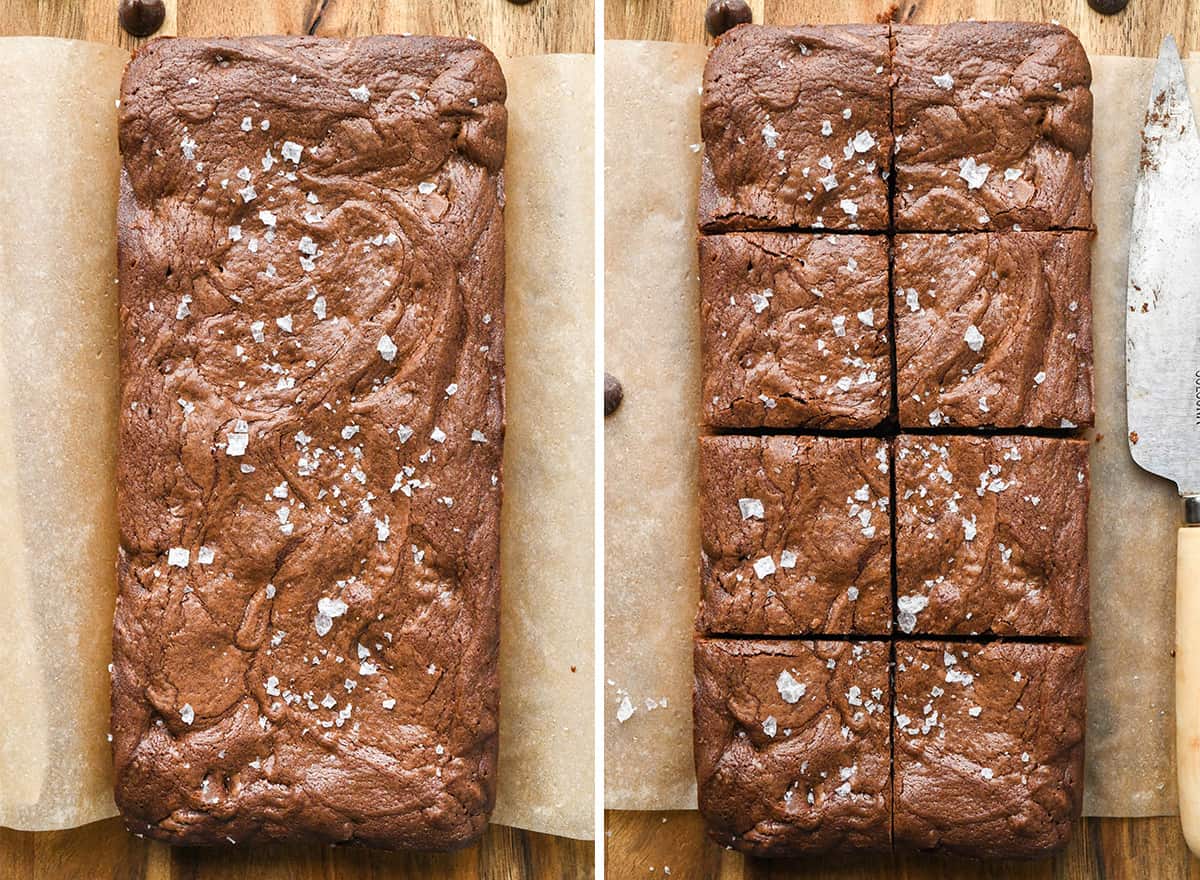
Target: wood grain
{"x": 104, "y": 849}
{"x": 1128, "y": 849}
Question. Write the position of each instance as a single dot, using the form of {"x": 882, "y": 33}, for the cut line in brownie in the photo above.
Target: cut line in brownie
{"x": 797, "y": 130}
{"x": 991, "y": 536}
{"x": 988, "y": 747}
{"x": 994, "y": 330}
{"x": 795, "y": 536}
{"x": 311, "y": 287}
{"x": 794, "y": 330}
{"x": 792, "y": 745}
{"x": 993, "y": 127}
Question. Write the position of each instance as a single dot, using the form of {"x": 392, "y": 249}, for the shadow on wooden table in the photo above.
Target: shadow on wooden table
{"x": 106, "y": 850}
{"x": 674, "y": 845}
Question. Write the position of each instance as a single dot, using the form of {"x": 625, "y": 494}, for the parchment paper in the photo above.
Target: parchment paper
{"x": 58, "y": 425}
{"x": 651, "y": 540}
{"x": 58, "y": 390}
{"x": 547, "y": 727}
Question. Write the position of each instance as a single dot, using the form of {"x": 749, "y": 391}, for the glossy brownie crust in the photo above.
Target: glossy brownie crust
{"x": 993, "y": 125}
{"x": 793, "y": 745}
{"x": 311, "y": 283}
{"x": 797, "y": 130}
{"x": 988, "y": 747}
{"x": 991, "y": 536}
{"x": 796, "y": 535}
{"x": 795, "y": 330}
{"x": 994, "y": 330}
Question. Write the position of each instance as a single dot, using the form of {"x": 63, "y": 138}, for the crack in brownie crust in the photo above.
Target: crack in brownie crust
{"x": 993, "y": 127}
{"x": 312, "y": 271}
{"x": 796, "y": 129}
{"x": 793, "y": 745}
{"x": 796, "y": 535}
{"x": 988, "y": 747}
{"x": 795, "y": 330}
{"x": 991, "y": 536}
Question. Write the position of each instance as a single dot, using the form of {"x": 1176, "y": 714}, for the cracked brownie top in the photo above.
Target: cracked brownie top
{"x": 991, "y": 536}
{"x": 311, "y": 268}
{"x": 988, "y": 747}
{"x": 993, "y": 127}
{"x": 795, "y": 535}
{"x": 793, "y": 745}
{"x": 796, "y": 129}
{"x": 794, "y": 330}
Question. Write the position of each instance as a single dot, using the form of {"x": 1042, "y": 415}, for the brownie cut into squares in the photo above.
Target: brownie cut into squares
{"x": 988, "y": 747}
{"x": 994, "y": 330}
{"x": 792, "y": 745}
{"x": 311, "y": 259}
{"x": 993, "y": 127}
{"x": 795, "y": 535}
{"x": 991, "y": 536}
{"x": 797, "y": 130}
{"x": 794, "y": 330}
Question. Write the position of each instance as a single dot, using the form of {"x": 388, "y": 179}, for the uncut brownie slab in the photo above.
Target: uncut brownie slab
{"x": 796, "y": 128}
{"x": 988, "y": 747}
{"x": 311, "y": 280}
{"x": 993, "y": 127}
{"x": 794, "y": 330}
{"x": 991, "y": 536}
{"x": 994, "y": 330}
{"x": 792, "y": 745}
{"x": 795, "y": 535}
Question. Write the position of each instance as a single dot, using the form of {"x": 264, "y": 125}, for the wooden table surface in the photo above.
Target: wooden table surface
{"x": 642, "y": 844}
{"x": 105, "y": 850}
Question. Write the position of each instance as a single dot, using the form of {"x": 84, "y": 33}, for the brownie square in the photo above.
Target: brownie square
{"x": 988, "y": 747}
{"x": 994, "y": 330}
{"x": 797, "y": 130}
{"x": 795, "y": 535}
{"x": 794, "y": 330}
{"x": 993, "y": 127}
{"x": 792, "y": 745}
{"x": 991, "y": 536}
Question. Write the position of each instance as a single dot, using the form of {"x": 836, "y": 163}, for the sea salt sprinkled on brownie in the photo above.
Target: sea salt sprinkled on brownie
{"x": 789, "y": 689}
{"x": 360, "y": 93}
{"x": 751, "y": 508}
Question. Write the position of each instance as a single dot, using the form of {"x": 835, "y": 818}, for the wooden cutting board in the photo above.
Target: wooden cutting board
{"x": 105, "y": 850}
{"x": 644, "y": 844}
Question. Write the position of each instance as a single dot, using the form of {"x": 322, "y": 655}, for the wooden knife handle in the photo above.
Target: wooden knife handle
{"x": 1187, "y": 682}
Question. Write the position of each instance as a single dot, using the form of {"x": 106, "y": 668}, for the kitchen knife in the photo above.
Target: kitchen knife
{"x": 1162, "y": 364}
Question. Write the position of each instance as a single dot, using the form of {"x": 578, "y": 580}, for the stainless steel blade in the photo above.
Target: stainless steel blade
{"x": 1162, "y": 321}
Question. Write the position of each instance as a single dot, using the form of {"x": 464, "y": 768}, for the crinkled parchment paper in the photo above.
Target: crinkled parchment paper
{"x": 651, "y": 533}
{"x": 58, "y": 395}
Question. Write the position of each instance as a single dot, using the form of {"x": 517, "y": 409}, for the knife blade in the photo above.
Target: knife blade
{"x": 1162, "y": 363}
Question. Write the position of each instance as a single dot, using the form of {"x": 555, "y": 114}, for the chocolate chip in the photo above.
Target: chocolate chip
{"x": 1108, "y": 7}
{"x": 724, "y": 14}
{"x": 141, "y": 18}
{"x": 612, "y": 394}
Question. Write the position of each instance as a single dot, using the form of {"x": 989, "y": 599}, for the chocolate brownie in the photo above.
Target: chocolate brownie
{"x": 311, "y": 282}
{"x": 796, "y": 128}
{"x": 993, "y": 127}
{"x": 988, "y": 747}
{"x": 991, "y": 536}
{"x": 795, "y": 330}
{"x": 994, "y": 330}
{"x": 793, "y": 746}
{"x": 795, "y": 535}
